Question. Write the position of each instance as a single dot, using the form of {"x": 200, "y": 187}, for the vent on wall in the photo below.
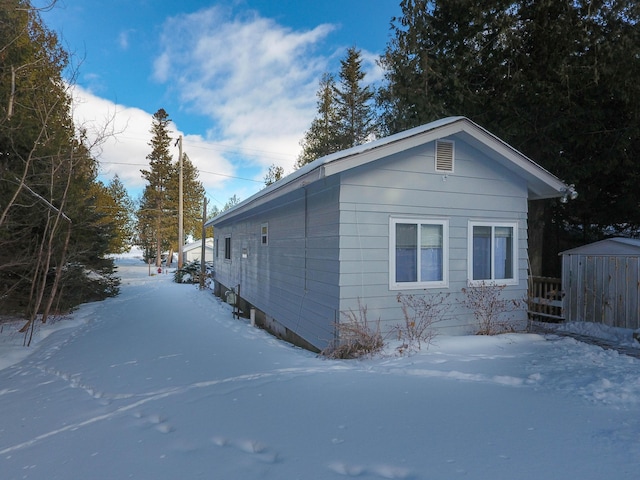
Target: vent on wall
{"x": 444, "y": 156}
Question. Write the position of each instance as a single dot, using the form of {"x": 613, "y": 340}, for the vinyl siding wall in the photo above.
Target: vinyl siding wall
{"x": 407, "y": 185}
{"x": 294, "y": 278}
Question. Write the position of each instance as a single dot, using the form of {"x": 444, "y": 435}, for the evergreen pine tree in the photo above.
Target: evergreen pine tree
{"x": 51, "y": 233}
{"x": 155, "y": 216}
{"x": 354, "y": 102}
{"x": 322, "y": 138}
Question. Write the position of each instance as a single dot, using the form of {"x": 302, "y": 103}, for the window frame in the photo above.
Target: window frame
{"x": 264, "y": 234}
{"x": 394, "y": 284}
{"x": 227, "y": 248}
{"x": 515, "y": 279}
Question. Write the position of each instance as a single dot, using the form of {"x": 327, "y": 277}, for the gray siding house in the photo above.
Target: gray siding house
{"x": 432, "y": 209}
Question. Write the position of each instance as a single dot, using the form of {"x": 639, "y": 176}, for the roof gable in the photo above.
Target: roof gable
{"x": 541, "y": 183}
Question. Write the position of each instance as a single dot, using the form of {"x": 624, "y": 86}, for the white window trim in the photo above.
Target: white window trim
{"x": 493, "y": 281}
{"x": 264, "y": 235}
{"x": 444, "y": 283}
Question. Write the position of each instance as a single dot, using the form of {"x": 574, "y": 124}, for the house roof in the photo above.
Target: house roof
{"x": 198, "y": 244}
{"x": 616, "y": 246}
{"x": 541, "y": 183}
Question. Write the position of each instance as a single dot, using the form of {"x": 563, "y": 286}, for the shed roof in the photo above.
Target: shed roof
{"x": 541, "y": 183}
{"x": 198, "y": 244}
{"x": 617, "y": 246}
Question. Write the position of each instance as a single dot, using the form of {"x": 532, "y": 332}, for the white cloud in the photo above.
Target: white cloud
{"x": 256, "y": 80}
{"x": 121, "y": 137}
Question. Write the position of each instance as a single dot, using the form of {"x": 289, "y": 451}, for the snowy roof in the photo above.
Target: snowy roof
{"x": 541, "y": 183}
{"x": 198, "y": 244}
{"x": 616, "y": 246}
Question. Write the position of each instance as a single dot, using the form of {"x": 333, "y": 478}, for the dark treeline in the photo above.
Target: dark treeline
{"x": 53, "y": 226}
{"x": 556, "y": 79}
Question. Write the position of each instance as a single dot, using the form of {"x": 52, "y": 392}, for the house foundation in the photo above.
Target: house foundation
{"x": 242, "y": 308}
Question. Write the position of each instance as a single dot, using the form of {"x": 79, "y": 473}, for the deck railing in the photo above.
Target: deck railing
{"x": 545, "y": 299}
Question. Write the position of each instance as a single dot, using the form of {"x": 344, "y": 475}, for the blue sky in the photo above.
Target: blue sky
{"x": 237, "y": 77}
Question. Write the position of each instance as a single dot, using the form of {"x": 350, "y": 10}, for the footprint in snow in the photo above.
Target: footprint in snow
{"x": 156, "y": 420}
{"x": 257, "y": 449}
{"x": 382, "y": 471}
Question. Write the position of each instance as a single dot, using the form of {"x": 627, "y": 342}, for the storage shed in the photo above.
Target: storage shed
{"x": 193, "y": 251}
{"x": 601, "y": 283}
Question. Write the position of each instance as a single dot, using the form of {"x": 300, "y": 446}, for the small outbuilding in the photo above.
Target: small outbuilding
{"x": 601, "y": 283}
{"x": 431, "y": 210}
{"x": 193, "y": 251}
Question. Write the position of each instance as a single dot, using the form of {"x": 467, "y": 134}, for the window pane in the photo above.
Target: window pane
{"x": 227, "y": 248}
{"x": 406, "y": 252}
{"x": 503, "y": 252}
{"x": 431, "y": 249}
{"x": 481, "y": 253}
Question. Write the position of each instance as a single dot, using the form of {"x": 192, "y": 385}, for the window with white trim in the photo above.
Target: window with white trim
{"x": 264, "y": 234}
{"x": 493, "y": 252}
{"x": 418, "y": 253}
{"x": 227, "y": 248}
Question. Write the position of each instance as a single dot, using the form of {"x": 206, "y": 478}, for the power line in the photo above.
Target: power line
{"x": 213, "y": 146}
{"x": 201, "y": 171}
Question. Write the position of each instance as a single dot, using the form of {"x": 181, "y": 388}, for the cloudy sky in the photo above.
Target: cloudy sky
{"x": 237, "y": 77}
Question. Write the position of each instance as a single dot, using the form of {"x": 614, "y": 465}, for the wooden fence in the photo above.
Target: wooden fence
{"x": 545, "y": 299}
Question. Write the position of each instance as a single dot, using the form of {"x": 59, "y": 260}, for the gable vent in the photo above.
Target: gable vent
{"x": 444, "y": 156}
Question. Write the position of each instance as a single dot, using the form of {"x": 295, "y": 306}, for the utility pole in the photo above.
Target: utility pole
{"x": 203, "y": 249}
{"x": 180, "y": 205}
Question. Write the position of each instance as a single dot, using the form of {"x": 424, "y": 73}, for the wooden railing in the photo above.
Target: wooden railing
{"x": 545, "y": 299}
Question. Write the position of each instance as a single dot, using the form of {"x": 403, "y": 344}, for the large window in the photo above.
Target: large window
{"x": 493, "y": 252}
{"x": 418, "y": 253}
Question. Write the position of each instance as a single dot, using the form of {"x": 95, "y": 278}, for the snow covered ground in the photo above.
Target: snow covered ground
{"x": 162, "y": 383}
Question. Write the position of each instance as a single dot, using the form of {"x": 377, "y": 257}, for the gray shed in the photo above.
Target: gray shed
{"x": 601, "y": 283}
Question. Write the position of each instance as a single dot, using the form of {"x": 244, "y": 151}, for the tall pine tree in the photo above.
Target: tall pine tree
{"x": 354, "y": 102}
{"x": 155, "y": 215}
{"x": 345, "y": 112}
{"x": 157, "y": 227}
{"x": 322, "y": 138}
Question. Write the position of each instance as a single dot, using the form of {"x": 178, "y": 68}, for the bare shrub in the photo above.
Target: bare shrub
{"x": 420, "y": 312}
{"x": 490, "y": 310}
{"x": 356, "y": 336}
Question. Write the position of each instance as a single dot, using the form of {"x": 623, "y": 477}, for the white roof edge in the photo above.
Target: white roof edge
{"x": 465, "y": 125}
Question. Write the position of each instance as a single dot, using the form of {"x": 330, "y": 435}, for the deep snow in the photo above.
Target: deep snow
{"x": 162, "y": 383}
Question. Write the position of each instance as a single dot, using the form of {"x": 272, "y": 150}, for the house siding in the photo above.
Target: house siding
{"x": 407, "y": 184}
{"x": 294, "y": 278}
